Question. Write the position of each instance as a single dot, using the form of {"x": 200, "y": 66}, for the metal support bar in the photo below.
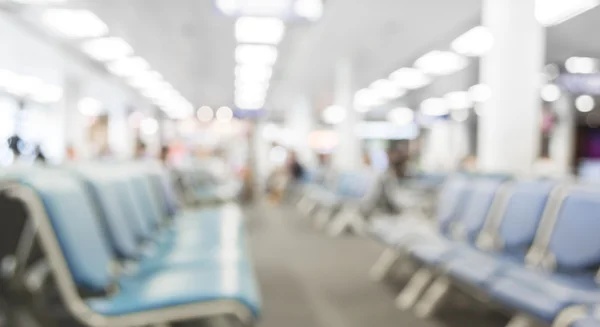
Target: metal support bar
{"x": 433, "y": 298}
{"x": 383, "y": 265}
{"x": 414, "y": 289}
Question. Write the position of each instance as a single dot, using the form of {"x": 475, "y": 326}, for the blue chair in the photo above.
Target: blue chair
{"x": 167, "y": 247}
{"x": 451, "y": 200}
{"x": 460, "y": 229}
{"x": 565, "y": 257}
{"x": 81, "y": 260}
{"x": 507, "y": 240}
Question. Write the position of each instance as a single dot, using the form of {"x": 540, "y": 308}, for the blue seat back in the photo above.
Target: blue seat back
{"x": 355, "y": 184}
{"x": 574, "y": 240}
{"x": 451, "y": 200}
{"x": 76, "y": 227}
{"x": 522, "y": 215}
{"x": 477, "y": 209}
{"x": 105, "y": 191}
{"x": 141, "y": 225}
{"x": 144, "y": 199}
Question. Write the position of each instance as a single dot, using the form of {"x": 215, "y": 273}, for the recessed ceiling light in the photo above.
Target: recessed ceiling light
{"x": 74, "y": 23}
{"x": 475, "y": 42}
{"x": 107, "y": 49}
{"x": 253, "y": 54}
{"x": 265, "y": 30}
{"x": 127, "y": 67}
{"x": 441, "y": 63}
{"x": 410, "y": 78}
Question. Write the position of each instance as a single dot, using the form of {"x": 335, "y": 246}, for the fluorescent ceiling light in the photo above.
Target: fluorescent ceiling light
{"x": 401, "y": 116}
{"x": 90, "y": 107}
{"x": 205, "y": 114}
{"x": 475, "y": 42}
{"x": 7, "y": 78}
{"x": 441, "y": 63}
{"x": 240, "y": 84}
{"x": 74, "y": 23}
{"x": 149, "y": 126}
{"x": 366, "y": 98}
{"x": 480, "y": 93}
{"x": 24, "y": 85}
{"x": 553, "y": 12}
{"x": 253, "y": 73}
{"x": 550, "y": 92}
{"x": 264, "y": 30}
{"x": 249, "y": 105}
{"x": 386, "y": 89}
{"x": 127, "y": 67}
{"x": 146, "y": 79}
{"x": 434, "y": 107}
{"x": 250, "y": 97}
{"x": 274, "y": 8}
{"x": 410, "y": 78}
{"x": 252, "y": 90}
{"x": 333, "y": 115}
{"x": 309, "y": 9}
{"x": 107, "y": 49}
{"x": 581, "y": 65}
{"x": 252, "y": 54}
{"x": 48, "y": 94}
{"x": 585, "y": 103}
{"x": 458, "y": 100}
{"x": 224, "y": 114}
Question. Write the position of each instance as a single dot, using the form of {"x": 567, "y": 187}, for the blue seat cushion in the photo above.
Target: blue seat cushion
{"x": 398, "y": 233}
{"x": 475, "y": 267}
{"x": 541, "y": 294}
{"x": 435, "y": 251}
{"x": 180, "y": 287}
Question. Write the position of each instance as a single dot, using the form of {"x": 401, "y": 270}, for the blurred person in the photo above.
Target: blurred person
{"x": 141, "y": 150}
{"x": 39, "y": 155}
{"x": 468, "y": 164}
{"x": 296, "y": 170}
{"x": 323, "y": 172}
{"x": 70, "y": 153}
{"x": 381, "y": 197}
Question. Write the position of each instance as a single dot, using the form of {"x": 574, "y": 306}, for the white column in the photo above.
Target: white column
{"x": 562, "y": 143}
{"x": 299, "y": 122}
{"x": 509, "y": 135}
{"x": 75, "y": 124}
{"x": 347, "y": 155}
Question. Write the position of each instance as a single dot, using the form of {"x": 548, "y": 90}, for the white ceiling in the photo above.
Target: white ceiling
{"x": 192, "y": 44}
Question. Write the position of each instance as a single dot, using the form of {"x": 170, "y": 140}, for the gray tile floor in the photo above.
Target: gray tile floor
{"x": 310, "y": 279}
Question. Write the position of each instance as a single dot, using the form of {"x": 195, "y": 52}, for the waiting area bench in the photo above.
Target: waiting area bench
{"x": 119, "y": 252}
{"x": 527, "y": 247}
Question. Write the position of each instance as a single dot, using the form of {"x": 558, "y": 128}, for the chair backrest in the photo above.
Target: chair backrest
{"x": 144, "y": 200}
{"x": 477, "y": 208}
{"x": 574, "y": 241}
{"x": 355, "y": 184}
{"x": 104, "y": 189}
{"x": 522, "y": 215}
{"x": 451, "y": 200}
{"x": 76, "y": 227}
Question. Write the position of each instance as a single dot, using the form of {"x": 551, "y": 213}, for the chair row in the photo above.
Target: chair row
{"x": 119, "y": 253}
{"x": 337, "y": 205}
{"x": 530, "y": 247}
{"x": 200, "y": 185}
